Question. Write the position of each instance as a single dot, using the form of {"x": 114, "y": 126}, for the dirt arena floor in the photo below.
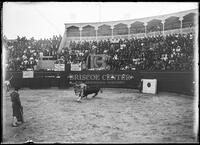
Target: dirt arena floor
{"x": 114, "y": 116}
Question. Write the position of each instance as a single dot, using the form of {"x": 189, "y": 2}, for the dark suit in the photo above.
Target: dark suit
{"x": 16, "y": 105}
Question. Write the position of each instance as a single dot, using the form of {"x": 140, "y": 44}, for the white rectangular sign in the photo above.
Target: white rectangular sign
{"x": 28, "y": 74}
{"x": 149, "y": 86}
{"x": 76, "y": 67}
{"x": 59, "y": 67}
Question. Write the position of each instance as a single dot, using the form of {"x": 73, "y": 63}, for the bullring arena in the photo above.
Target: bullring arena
{"x": 143, "y": 100}
{"x": 116, "y": 115}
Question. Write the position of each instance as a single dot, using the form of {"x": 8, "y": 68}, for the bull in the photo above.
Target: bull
{"x": 82, "y": 92}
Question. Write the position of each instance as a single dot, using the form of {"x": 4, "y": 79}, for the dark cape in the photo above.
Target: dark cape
{"x": 17, "y": 107}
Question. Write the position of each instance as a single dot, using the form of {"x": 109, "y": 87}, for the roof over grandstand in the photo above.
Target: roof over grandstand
{"x": 145, "y": 19}
{"x": 45, "y": 19}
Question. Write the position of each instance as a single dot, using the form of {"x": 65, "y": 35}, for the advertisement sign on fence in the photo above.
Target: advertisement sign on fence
{"x": 104, "y": 78}
{"x": 98, "y": 61}
{"x": 28, "y": 74}
{"x": 76, "y": 67}
{"x": 59, "y": 67}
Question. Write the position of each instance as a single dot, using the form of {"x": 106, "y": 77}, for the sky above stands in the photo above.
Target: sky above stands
{"x": 45, "y": 19}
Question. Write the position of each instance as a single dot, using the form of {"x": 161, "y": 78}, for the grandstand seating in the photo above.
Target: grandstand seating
{"x": 164, "y": 24}
{"x": 138, "y": 36}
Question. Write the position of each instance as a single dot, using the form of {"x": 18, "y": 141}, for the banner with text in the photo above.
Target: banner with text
{"x": 105, "y": 78}
{"x": 76, "y": 67}
{"x": 59, "y": 67}
{"x": 28, "y": 74}
{"x": 98, "y": 61}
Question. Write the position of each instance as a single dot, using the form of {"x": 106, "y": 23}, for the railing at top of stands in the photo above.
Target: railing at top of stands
{"x": 138, "y": 35}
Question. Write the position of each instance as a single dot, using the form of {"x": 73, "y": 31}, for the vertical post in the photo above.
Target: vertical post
{"x": 181, "y": 19}
{"x": 112, "y": 27}
{"x": 80, "y": 29}
{"x": 96, "y": 28}
{"x": 129, "y": 30}
{"x": 163, "y": 31}
{"x": 145, "y": 26}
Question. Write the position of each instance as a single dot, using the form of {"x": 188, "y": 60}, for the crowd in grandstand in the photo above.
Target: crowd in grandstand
{"x": 24, "y": 54}
{"x": 173, "y": 52}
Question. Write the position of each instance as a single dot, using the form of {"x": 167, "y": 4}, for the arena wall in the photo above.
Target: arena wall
{"x": 178, "y": 82}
